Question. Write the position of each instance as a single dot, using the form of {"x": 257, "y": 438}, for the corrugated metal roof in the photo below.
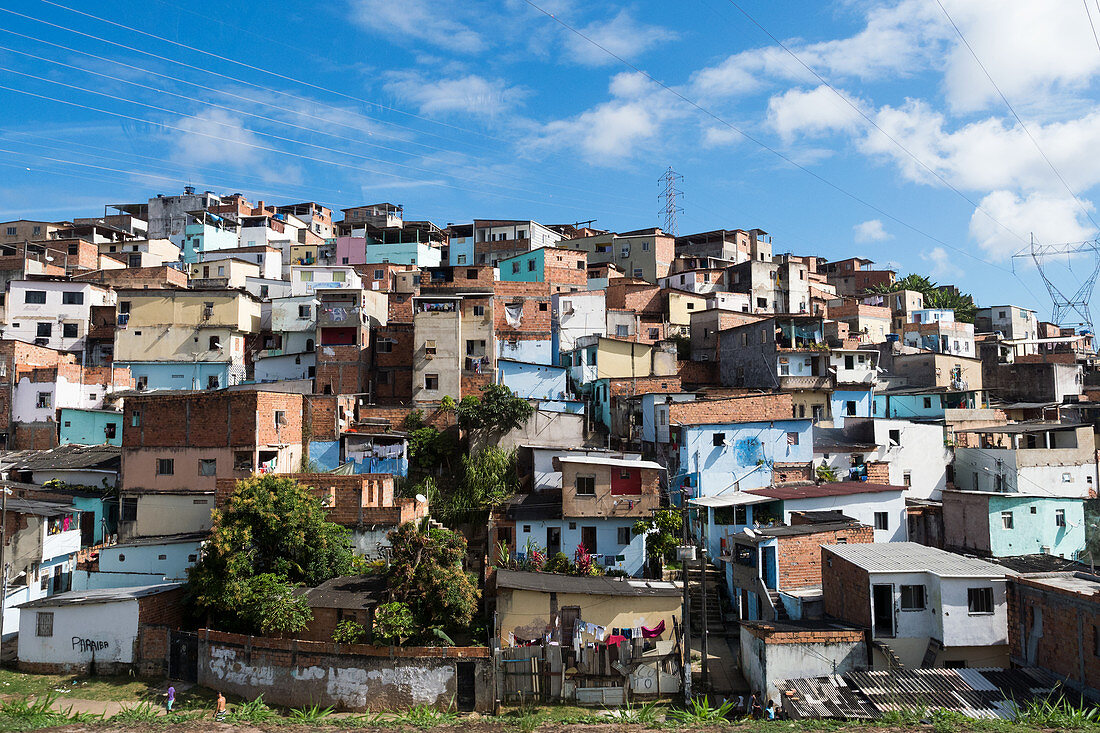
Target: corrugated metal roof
{"x": 901, "y": 557}
{"x": 839, "y": 488}
{"x": 599, "y": 586}
{"x": 104, "y": 595}
{"x": 734, "y": 498}
{"x": 976, "y": 693}
{"x": 68, "y": 456}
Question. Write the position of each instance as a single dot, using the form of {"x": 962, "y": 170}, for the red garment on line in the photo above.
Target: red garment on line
{"x": 653, "y": 632}
{"x": 614, "y": 639}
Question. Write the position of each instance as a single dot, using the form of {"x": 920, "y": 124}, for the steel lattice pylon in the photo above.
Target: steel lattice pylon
{"x": 670, "y": 194}
{"x": 1067, "y": 305}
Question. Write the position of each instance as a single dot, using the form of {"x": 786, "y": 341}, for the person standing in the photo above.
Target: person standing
{"x": 171, "y": 699}
{"x": 219, "y": 711}
{"x": 757, "y": 710}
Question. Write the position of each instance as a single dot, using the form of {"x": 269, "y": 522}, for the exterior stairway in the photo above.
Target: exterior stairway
{"x": 716, "y": 585}
{"x": 780, "y": 610}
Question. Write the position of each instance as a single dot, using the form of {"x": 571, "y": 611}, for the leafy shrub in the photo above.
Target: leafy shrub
{"x": 349, "y": 632}
{"x": 393, "y": 622}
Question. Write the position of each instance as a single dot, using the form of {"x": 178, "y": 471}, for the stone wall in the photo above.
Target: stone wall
{"x": 352, "y": 677}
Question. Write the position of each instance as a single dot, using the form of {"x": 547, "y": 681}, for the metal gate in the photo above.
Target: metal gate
{"x": 183, "y": 656}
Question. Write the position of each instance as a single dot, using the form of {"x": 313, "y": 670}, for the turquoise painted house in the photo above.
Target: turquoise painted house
{"x": 922, "y": 403}
{"x": 525, "y": 268}
{"x": 1011, "y": 524}
{"x": 90, "y": 427}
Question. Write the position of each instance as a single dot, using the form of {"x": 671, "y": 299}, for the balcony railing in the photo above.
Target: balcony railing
{"x": 796, "y": 382}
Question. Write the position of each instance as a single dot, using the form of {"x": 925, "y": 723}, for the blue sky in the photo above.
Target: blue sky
{"x": 462, "y": 110}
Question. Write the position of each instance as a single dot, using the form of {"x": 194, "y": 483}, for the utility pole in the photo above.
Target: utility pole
{"x": 4, "y": 491}
{"x": 685, "y": 565}
{"x": 670, "y": 195}
{"x": 706, "y": 626}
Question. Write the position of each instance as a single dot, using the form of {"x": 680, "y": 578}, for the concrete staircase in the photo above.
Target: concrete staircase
{"x": 780, "y": 610}
{"x": 716, "y": 586}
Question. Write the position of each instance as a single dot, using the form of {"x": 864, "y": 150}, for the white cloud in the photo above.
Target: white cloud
{"x": 810, "y": 112}
{"x": 430, "y": 21}
{"x": 214, "y": 137}
{"x": 612, "y": 131}
{"x": 1052, "y": 219}
{"x": 988, "y": 154}
{"x": 623, "y": 35}
{"x": 942, "y": 263}
{"x": 871, "y": 231}
{"x": 467, "y": 94}
{"x": 1032, "y": 50}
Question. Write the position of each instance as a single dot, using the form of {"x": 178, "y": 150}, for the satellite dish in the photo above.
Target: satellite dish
{"x": 420, "y": 498}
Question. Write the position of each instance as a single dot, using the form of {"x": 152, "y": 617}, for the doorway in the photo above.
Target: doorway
{"x": 467, "y": 690}
{"x": 553, "y": 541}
{"x": 588, "y": 539}
{"x": 87, "y": 529}
{"x": 882, "y": 605}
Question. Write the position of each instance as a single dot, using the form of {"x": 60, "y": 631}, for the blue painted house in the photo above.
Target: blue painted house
{"x": 90, "y": 427}
{"x": 922, "y": 403}
{"x": 533, "y": 381}
{"x": 994, "y": 524}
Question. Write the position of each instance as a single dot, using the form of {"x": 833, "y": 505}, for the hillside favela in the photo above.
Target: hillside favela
{"x": 765, "y": 394}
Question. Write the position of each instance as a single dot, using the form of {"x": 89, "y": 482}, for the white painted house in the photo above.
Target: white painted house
{"x": 91, "y": 630}
{"x": 928, "y": 607}
{"x": 1057, "y": 459}
{"x": 306, "y": 279}
{"x": 52, "y": 313}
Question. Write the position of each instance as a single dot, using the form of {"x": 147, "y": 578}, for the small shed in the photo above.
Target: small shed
{"x": 93, "y": 630}
{"x": 347, "y": 598}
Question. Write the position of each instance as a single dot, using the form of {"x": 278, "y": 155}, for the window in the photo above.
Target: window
{"x": 625, "y": 252}
{"x": 895, "y": 437}
{"x": 208, "y": 466}
{"x": 691, "y": 306}
{"x": 212, "y": 381}
{"x": 36, "y": 297}
{"x": 542, "y": 306}
{"x": 379, "y": 274}
{"x": 12, "y": 231}
{"x": 912, "y": 598}
{"x": 530, "y": 265}
{"x": 431, "y": 381}
{"x": 72, "y": 298}
{"x": 385, "y": 346}
{"x": 339, "y": 276}
{"x": 460, "y": 260}
{"x": 515, "y": 268}
{"x": 761, "y": 302}
{"x": 305, "y": 277}
{"x": 979, "y": 600}
{"x": 1033, "y": 510}
{"x": 622, "y": 331}
{"x": 471, "y": 274}
{"x": 304, "y": 311}
{"x": 110, "y": 430}
{"x": 69, "y": 330}
{"x": 624, "y": 535}
{"x": 655, "y": 333}
{"x": 44, "y": 400}
{"x": 850, "y": 408}
{"x": 429, "y": 347}
{"x": 927, "y": 403}
{"x": 907, "y": 478}
{"x": 882, "y": 520}
{"x": 43, "y": 623}
{"x": 280, "y": 418}
{"x": 135, "y": 418}
{"x": 1067, "y": 478}
{"x": 166, "y": 466}
{"x": 215, "y": 343}
{"x": 719, "y": 439}
{"x": 1059, "y": 517}
{"x": 309, "y": 346}
{"x": 586, "y": 485}
{"x": 1006, "y": 520}
{"x": 479, "y": 310}
{"x": 45, "y": 330}
{"x": 638, "y": 272}
{"x": 792, "y": 438}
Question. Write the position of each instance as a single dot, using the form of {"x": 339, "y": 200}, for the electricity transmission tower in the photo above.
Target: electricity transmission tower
{"x": 1076, "y": 304}
{"x": 670, "y": 195}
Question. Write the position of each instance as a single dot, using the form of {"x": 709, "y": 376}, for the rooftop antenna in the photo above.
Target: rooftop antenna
{"x": 670, "y": 194}
{"x": 1066, "y": 307}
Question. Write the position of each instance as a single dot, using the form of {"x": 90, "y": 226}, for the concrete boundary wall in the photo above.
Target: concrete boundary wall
{"x": 354, "y": 677}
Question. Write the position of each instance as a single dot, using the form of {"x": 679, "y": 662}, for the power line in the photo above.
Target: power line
{"x": 273, "y": 73}
{"x": 755, "y": 141}
{"x": 253, "y": 145}
{"x": 266, "y": 119}
{"x": 1091, "y": 24}
{"x": 1013, "y": 111}
{"x": 872, "y": 122}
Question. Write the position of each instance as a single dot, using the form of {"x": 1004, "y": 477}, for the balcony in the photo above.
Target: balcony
{"x": 477, "y": 364}
{"x": 338, "y": 315}
{"x": 810, "y": 382}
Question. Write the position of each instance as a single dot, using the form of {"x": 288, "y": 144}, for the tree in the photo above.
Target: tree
{"x": 271, "y": 537}
{"x": 935, "y": 296}
{"x": 498, "y": 410}
{"x": 350, "y": 632}
{"x": 663, "y": 531}
{"x": 393, "y": 623}
{"x": 426, "y": 574}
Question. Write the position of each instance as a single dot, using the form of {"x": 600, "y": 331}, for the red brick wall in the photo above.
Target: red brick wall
{"x": 211, "y": 420}
{"x": 749, "y": 408}
{"x": 847, "y": 590}
{"x": 1070, "y": 624}
{"x": 535, "y": 317}
{"x": 642, "y": 385}
{"x": 396, "y": 363}
{"x": 640, "y": 298}
{"x": 799, "y": 557}
{"x": 878, "y": 472}
{"x": 698, "y": 373}
{"x": 151, "y": 652}
{"x": 400, "y": 308}
{"x": 342, "y": 369}
{"x": 164, "y": 609}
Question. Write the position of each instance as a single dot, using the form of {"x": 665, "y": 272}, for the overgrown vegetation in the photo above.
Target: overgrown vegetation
{"x": 532, "y": 558}
{"x": 393, "y": 623}
{"x": 663, "y": 530}
{"x": 935, "y": 296}
{"x": 271, "y": 538}
{"x": 426, "y": 575}
{"x": 349, "y": 632}
{"x": 495, "y": 412}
